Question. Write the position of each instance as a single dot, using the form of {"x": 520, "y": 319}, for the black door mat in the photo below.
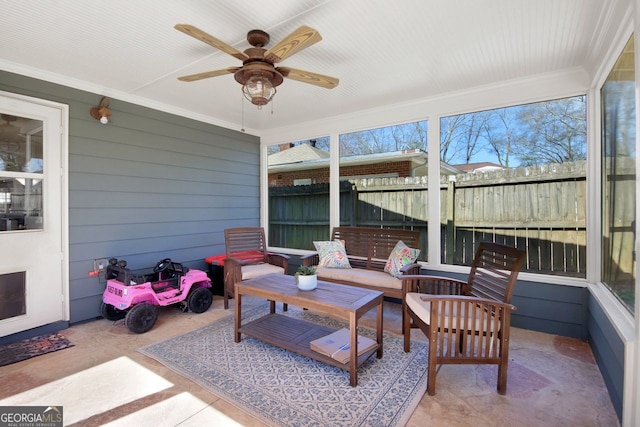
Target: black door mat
{"x": 32, "y": 347}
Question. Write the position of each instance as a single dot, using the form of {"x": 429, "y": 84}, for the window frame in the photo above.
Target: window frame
{"x": 433, "y": 138}
{"x": 530, "y": 90}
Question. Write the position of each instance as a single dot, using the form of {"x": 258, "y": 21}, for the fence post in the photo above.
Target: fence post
{"x": 451, "y": 233}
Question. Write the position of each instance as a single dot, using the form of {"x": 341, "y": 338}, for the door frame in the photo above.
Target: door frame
{"x": 64, "y": 194}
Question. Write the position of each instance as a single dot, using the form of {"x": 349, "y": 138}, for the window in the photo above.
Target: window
{"x": 519, "y": 179}
{"x": 298, "y": 177}
{"x": 383, "y": 174}
{"x": 21, "y": 173}
{"x": 618, "y": 178}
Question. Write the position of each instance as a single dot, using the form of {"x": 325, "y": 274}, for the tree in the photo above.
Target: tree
{"x": 554, "y": 131}
{"x": 531, "y": 134}
{"x": 503, "y": 133}
{"x": 406, "y": 136}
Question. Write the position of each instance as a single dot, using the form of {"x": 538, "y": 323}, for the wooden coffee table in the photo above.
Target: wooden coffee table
{"x": 342, "y": 301}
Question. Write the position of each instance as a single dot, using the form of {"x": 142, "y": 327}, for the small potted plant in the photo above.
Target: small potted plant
{"x": 306, "y": 278}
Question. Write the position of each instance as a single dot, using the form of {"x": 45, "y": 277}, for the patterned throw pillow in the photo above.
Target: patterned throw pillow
{"x": 332, "y": 254}
{"x": 400, "y": 256}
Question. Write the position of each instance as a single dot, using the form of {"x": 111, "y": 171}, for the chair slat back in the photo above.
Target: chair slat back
{"x": 374, "y": 243}
{"x": 356, "y": 244}
{"x": 494, "y": 271}
{"x": 246, "y": 243}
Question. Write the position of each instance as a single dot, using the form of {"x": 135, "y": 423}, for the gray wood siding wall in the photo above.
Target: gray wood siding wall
{"x": 608, "y": 350}
{"x": 148, "y": 185}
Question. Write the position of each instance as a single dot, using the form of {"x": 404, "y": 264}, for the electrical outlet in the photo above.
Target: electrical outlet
{"x": 100, "y": 264}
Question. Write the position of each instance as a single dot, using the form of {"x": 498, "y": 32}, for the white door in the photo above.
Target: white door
{"x": 33, "y": 272}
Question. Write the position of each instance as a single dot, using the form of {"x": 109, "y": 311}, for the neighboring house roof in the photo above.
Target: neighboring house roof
{"x": 301, "y": 158}
{"x": 297, "y": 154}
{"x": 478, "y": 167}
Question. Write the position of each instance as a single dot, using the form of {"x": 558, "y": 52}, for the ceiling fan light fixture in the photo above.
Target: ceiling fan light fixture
{"x": 258, "y": 89}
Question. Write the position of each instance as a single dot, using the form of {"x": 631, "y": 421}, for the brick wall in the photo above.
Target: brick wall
{"x": 321, "y": 176}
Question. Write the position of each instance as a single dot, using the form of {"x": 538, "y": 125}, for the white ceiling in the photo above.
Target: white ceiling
{"x": 384, "y": 52}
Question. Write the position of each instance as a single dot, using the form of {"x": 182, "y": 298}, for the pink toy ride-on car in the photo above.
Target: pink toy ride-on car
{"x": 137, "y": 297}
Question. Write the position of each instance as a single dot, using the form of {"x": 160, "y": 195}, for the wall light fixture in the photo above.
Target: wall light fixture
{"x": 101, "y": 112}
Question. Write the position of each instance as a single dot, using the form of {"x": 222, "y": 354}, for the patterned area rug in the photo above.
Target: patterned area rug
{"x": 32, "y": 347}
{"x": 284, "y": 389}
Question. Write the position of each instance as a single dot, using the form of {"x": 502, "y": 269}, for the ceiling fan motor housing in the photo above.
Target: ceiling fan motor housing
{"x": 258, "y": 68}
{"x": 258, "y": 38}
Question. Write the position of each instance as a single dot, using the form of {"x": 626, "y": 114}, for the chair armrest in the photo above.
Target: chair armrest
{"x": 434, "y": 285}
{"x": 310, "y": 259}
{"x": 278, "y": 255}
{"x": 411, "y": 269}
{"x": 235, "y": 262}
{"x": 466, "y": 299}
{"x": 281, "y": 260}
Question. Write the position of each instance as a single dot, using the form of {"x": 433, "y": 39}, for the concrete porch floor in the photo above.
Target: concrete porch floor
{"x": 553, "y": 381}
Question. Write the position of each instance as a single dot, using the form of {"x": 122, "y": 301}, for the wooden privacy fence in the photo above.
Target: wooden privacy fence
{"x": 540, "y": 209}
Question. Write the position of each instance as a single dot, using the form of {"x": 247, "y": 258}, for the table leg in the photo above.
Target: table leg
{"x": 238, "y": 313}
{"x": 353, "y": 358}
{"x": 379, "y": 329}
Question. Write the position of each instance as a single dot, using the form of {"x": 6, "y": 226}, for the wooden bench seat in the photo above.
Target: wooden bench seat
{"x": 368, "y": 250}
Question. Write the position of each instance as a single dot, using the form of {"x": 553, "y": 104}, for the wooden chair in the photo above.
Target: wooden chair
{"x": 466, "y": 322}
{"x": 247, "y": 258}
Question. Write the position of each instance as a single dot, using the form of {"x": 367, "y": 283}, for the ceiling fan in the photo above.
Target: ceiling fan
{"x": 11, "y": 138}
{"x": 9, "y": 131}
{"x": 258, "y": 75}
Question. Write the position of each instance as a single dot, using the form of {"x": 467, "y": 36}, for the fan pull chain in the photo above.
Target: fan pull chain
{"x": 242, "y": 107}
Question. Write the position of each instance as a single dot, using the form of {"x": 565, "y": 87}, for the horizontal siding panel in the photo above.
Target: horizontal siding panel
{"x": 216, "y": 185}
{"x": 138, "y": 145}
{"x": 553, "y": 292}
{"x": 84, "y": 308}
{"x": 116, "y": 232}
{"x": 557, "y": 311}
{"x": 146, "y": 168}
{"x": 160, "y": 200}
{"x": 608, "y": 350}
{"x": 548, "y": 326}
{"x": 136, "y": 118}
{"x": 153, "y": 186}
{"x": 171, "y": 217}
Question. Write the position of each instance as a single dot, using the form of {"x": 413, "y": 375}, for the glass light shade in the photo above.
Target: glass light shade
{"x": 258, "y": 90}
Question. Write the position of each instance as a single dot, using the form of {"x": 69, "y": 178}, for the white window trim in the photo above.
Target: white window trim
{"x": 538, "y": 88}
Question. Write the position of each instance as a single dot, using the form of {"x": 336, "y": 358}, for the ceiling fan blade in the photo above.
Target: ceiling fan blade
{"x": 300, "y": 39}
{"x": 308, "y": 77}
{"x": 210, "y": 40}
{"x": 208, "y": 74}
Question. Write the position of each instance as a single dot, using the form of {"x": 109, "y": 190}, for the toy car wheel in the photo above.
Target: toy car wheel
{"x": 109, "y": 312}
{"x": 141, "y": 317}
{"x": 200, "y": 300}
